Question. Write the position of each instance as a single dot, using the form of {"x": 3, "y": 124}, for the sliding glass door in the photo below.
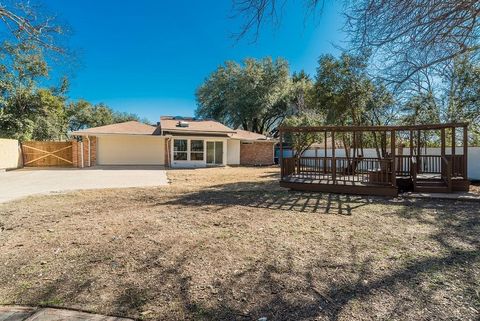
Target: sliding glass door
{"x": 214, "y": 153}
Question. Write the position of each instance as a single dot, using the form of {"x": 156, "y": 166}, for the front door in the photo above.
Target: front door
{"x": 214, "y": 153}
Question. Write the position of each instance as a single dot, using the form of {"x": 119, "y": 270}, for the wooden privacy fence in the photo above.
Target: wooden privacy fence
{"x": 47, "y": 154}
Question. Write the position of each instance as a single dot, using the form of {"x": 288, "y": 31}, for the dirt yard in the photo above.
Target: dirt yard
{"x": 229, "y": 244}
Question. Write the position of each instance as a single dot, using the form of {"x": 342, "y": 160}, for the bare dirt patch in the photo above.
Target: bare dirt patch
{"x": 229, "y": 244}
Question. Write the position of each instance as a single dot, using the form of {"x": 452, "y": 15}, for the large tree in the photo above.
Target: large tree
{"x": 22, "y": 66}
{"x": 453, "y": 98}
{"x": 346, "y": 95}
{"x": 253, "y": 95}
{"x": 461, "y": 100}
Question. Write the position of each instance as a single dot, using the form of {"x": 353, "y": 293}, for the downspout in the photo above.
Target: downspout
{"x": 168, "y": 151}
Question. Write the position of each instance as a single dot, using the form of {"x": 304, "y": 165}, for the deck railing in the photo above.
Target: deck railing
{"x": 435, "y": 164}
{"x": 403, "y": 165}
{"x": 431, "y": 164}
{"x": 458, "y": 165}
{"x": 338, "y": 170}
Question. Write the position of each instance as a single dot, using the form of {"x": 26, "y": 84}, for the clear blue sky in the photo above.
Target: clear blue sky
{"x": 148, "y": 57}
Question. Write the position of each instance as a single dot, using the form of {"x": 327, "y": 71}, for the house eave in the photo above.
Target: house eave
{"x": 111, "y": 134}
{"x": 177, "y": 131}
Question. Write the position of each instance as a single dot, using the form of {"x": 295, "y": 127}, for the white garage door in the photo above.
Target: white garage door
{"x": 130, "y": 150}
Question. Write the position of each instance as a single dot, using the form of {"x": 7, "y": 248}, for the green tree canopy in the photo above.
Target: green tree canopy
{"x": 22, "y": 67}
{"x": 347, "y": 95}
{"x": 253, "y": 95}
{"x": 82, "y": 114}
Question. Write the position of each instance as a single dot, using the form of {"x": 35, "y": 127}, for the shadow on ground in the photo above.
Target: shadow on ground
{"x": 269, "y": 195}
{"x": 289, "y": 285}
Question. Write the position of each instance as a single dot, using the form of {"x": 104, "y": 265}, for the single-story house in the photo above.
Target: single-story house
{"x": 173, "y": 142}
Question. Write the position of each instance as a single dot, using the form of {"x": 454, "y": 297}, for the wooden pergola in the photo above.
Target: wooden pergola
{"x": 385, "y": 173}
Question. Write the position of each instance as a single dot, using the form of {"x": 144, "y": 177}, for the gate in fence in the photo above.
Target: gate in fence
{"x": 47, "y": 154}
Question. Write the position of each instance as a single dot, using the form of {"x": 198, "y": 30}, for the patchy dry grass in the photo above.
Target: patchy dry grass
{"x": 475, "y": 188}
{"x": 229, "y": 244}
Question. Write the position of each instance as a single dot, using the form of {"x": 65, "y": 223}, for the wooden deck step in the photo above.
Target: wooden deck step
{"x": 431, "y": 186}
{"x": 432, "y": 189}
{"x": 431, "y": 182}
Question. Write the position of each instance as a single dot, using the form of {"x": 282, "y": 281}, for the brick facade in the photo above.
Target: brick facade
{"x": 77, "y": 152}
{"x": 93, "y": 151}
{"x": 75, "y": 147}
{"x": 256, "y": 153}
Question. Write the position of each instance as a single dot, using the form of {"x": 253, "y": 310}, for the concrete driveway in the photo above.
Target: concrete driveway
{"x": 28, "y": 181}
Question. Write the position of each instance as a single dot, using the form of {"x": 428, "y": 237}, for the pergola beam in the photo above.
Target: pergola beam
{"x": 371, "y": 128}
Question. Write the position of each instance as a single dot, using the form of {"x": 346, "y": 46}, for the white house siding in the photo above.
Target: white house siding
{"x": 233, "y": 154}
{"x": 130, "y": 150}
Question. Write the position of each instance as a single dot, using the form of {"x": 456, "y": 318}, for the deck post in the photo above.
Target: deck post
{"x": 334, "y": 162}
{"x": 419, "y": 150}
{"x": 280, "y": 157}
{"x": 442, "y": 149}
{"x": 453, "y": 160}
{"x": 354, "y": 145}
{"x": 453, "y": 141}
{"x": 411, "y": 143}
{"x": 325, "y": 152}
{"x": 411, "y": 153}
{"x": 393, "y": 163}
{"x": 465, "y": 152}
{"x": 442, "y": 142}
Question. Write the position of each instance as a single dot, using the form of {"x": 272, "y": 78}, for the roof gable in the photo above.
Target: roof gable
{"x": 126, "y": 128}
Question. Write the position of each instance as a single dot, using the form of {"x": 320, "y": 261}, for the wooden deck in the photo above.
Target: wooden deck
{"x": 315, "y": 178}
{"x": 345, "y": 187}
{"x": 349, "y": 185}
{"x": 385, "y": 174}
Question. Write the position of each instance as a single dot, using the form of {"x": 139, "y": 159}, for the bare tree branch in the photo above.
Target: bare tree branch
{"x": 404, "y": 36}
{"x": 25, "y": 22}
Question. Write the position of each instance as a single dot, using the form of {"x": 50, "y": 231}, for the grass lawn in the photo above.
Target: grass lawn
{"x": 229, "y": 244}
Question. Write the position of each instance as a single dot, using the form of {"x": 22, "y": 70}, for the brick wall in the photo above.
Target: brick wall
{"x": 77, "y": 152}
{"x": 75, "y": 158}
{"x": 93, "y": 151}
{"x": 256, "y": 153}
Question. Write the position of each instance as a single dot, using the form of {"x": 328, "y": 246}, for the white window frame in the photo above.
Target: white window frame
{"x": 196, "y": 163}
{"x": 190, "y": 152}
{"x": 174, "y": 151}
